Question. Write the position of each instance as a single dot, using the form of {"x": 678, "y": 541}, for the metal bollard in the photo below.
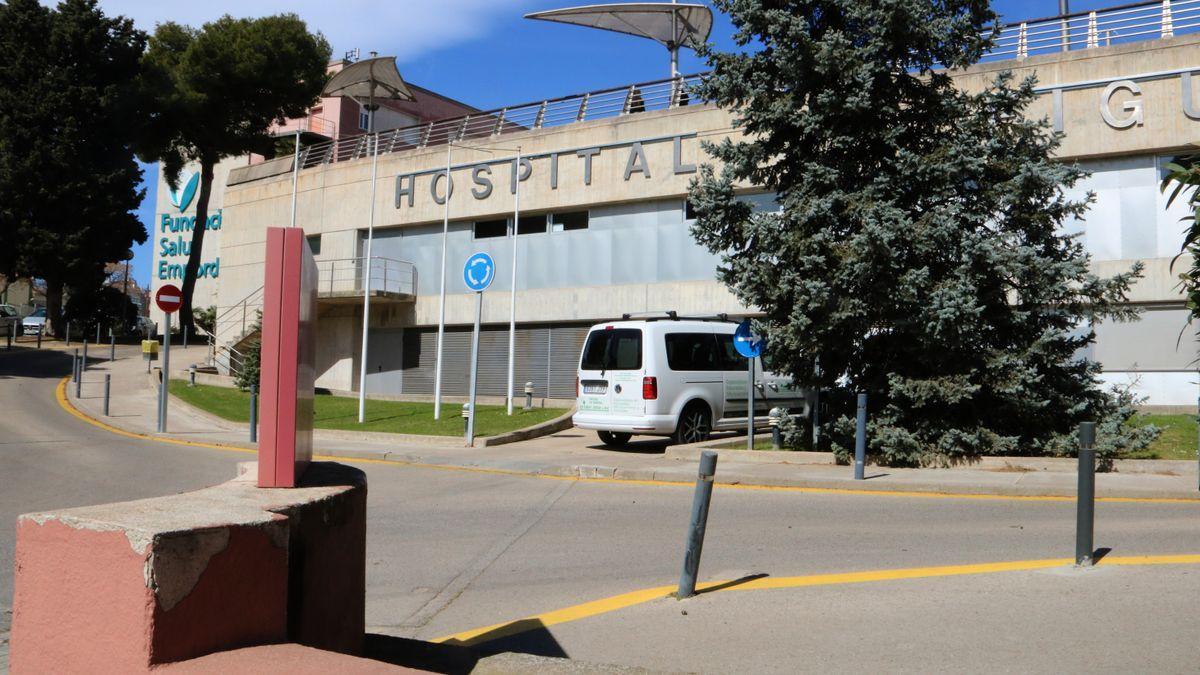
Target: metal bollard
{"x": 10, "y": 332}
{"x": 97, "y": 333}
{"x": 40, "y": 336}
{"x": 773, "y": 419}
{"x": 529, "y": 396}
{"x": 107, "y": 387}
{"x": 860, "y": 438}
{"x": 1085, "y": 499}
{"x": 83, "y": 363}
{"x": 112, "y": 348}
{"x": 79, "y": 382}
{"x": 75, "y": 366}
{"x": 466, "y": 415}
{"x": 185, "y": 335}
{"x": 68, "y": 333}
{"x": 254, "y": 413}
{"x": 192, "y": 376}
{"x": 695, "y": 537}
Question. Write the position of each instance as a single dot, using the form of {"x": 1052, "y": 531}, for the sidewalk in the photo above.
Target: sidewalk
{"x": 576, "y": 453}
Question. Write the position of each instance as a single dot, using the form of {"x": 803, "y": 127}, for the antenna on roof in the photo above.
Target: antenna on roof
{"x": 351, "y": 55}
{"x": 669, "y": 24}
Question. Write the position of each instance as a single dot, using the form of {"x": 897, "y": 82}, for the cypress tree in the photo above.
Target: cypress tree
{"x": 919, "y": 253}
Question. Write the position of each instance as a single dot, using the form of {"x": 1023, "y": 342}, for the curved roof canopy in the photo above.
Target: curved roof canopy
{"x": 669, "y": 24}
{"x": 368, "y": 80}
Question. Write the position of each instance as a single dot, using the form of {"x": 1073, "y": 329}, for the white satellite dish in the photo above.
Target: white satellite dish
{"x": 669, "y": 24}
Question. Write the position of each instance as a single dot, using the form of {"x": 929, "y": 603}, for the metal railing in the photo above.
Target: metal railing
{"x": 309, "y": 123}
{"x": 606, "y": 103}
{"x": 345, "y": 275}
{"x": 1098, "y": 28}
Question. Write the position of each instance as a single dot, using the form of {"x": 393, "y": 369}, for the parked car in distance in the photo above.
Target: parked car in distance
{"x": 10, "y": 320}
{"x": 35, "y": 322}
{"x": 672, "y": 377}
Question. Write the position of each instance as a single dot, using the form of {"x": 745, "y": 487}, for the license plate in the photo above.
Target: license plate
{"x": 595, "y": 388}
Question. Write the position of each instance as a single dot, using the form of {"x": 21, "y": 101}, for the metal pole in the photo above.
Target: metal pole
{"x": 1063, "y": 10}
{"x": 295, "y": 175}
{"x": 750, "y": 405}
{"x": 97, "y": 333}
{"x": 254, "y": 413}
{"x": 79, "y": 383}
{"x": 165, "y": 372}
{"x": 107, "y": 388}
{"x": 674, "y": 45}
{"x": 75, "y": 366}
{"x": 437, "y": 368}
{"x": 112, "y": 347}
{"x": 512, "y": 294}
{"x": 68, "y": 333}
{"x": 695, "y": 536}
{"x": 474, "y": 366}
{"x": 185, "y": 336}
{"x": 860, "y": 438}
{"x": 83, "y": 364}
{"x": 362, "y": 366}
{"x": 1085, "y": 500}
{"x": 39, "y": 336}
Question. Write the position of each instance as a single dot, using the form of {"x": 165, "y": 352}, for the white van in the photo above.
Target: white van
{"x": 671, "y": 377}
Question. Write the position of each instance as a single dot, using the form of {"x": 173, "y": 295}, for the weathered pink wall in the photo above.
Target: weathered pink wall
{"x": 124, "y": 587}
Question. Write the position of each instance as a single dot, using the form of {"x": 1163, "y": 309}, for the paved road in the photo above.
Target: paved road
{"x": 452, "y": 550}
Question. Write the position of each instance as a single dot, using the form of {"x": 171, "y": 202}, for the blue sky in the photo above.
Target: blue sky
{"x": 481, "y": 52}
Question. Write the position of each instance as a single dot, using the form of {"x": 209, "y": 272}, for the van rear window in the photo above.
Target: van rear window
{"x": 616, "y": 349}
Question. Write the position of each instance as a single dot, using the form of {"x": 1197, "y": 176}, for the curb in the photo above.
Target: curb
{"x": 683, "y": 475}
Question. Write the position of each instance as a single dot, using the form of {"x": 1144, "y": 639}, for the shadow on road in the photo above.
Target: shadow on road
{"x": 526, "y": 636}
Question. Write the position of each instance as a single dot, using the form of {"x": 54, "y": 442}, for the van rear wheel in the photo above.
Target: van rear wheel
{"x": 615, "y": 439}
{"x": 695, "y": 424}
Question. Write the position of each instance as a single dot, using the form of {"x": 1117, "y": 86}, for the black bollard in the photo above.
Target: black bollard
{"x": 1085, "y": 500}
{"x": 695, "y": 536}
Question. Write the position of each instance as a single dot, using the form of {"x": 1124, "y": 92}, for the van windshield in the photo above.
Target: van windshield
{"x": 616, "y": 349}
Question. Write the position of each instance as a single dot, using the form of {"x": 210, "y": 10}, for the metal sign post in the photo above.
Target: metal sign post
{"x": 750, "y": 346}
{"x": 168, "y": 298}
{"x": 478, "y": 273}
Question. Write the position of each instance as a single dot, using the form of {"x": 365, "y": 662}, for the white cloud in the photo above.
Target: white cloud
{"x": 401, "y": 28}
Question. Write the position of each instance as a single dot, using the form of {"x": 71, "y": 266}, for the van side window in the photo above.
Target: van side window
{"x": 730, "y": 358}
{"x": 692, "y": 351}
{"x": 617, "y": 349}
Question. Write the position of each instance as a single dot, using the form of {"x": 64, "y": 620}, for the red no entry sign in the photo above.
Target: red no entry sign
{"x": 168, "y": 298}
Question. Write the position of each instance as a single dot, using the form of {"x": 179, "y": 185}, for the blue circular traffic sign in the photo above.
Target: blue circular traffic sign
{"x": 747, "y": 343}
{"x": 479, "y": 272}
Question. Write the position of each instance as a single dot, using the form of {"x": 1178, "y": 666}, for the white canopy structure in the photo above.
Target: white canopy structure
{"x": 669, "y": 24}
{"x": 369, "y": 79}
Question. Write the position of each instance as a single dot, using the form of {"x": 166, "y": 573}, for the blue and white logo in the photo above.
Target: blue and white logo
{"x": 747, "y": 343}
{"x": 479, "y": 272}
{"x": 182, "y": 197}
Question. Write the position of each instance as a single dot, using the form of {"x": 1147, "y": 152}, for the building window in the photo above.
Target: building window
{"x": 314, "y": 243}
{"x": 689, "y": 211}
{"x": 490, "y": 229}
{"x": 364, "y": 119}
{"x": 569, "y": 220}
{"x": 532, "y": 224}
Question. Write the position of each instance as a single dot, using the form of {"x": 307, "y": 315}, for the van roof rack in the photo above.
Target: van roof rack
{"x": 672, "y": 315}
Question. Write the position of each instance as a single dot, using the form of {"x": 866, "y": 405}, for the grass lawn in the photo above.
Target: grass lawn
{"x": 1177, "y": 440}
{"x": 397, "y": 417}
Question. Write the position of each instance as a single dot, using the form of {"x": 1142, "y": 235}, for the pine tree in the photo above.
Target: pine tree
{"x": 919, "y": 253}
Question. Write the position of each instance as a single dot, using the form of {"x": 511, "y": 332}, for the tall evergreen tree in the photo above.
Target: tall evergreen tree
{"x": 919, "y": 254}
{"x": 218, "y": 90}
{"x": 69, "y": 111}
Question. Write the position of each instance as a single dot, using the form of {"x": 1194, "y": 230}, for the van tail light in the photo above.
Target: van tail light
{"x": 650, "y": 388}
{"x": 576, "y": 386}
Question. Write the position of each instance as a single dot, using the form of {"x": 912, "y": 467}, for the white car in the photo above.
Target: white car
{"x": 35, "y": 322}
{"x": 672, "y": 377}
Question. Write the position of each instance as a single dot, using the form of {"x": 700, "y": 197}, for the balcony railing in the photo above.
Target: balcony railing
{"x": 344, "y": 276}
{"x": 310, "y": 124}
{"x": 615, "y": 102}
{"x": 1099, "y": 28}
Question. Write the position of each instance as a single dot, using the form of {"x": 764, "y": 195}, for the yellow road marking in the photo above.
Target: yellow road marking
{"x": 605, "y": 605}
{"x": 65, "y": 403}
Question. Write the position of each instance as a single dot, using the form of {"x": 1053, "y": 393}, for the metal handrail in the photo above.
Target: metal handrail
{"x": 605, "y": 103}
{"x": 345, "y": 275}
{"x": 1096, "y": 28}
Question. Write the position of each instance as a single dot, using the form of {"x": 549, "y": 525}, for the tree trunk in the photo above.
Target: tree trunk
{"x": 186, "y": 321}
{"x": 54, "y": 294}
